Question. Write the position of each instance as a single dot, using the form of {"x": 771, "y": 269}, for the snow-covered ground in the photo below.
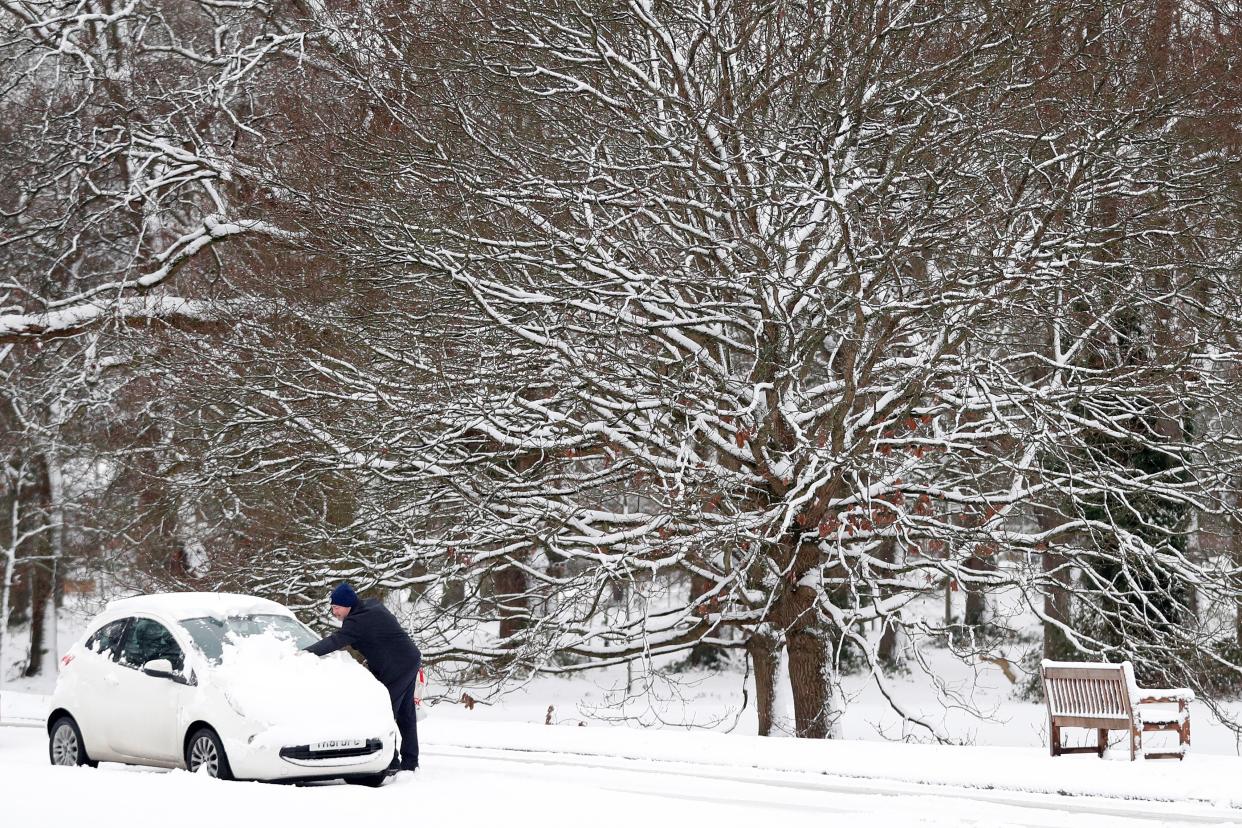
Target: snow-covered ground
{"x": 500, "y": 764}
{"x": 489, "y": 773}
{"x": 639, "y": 763}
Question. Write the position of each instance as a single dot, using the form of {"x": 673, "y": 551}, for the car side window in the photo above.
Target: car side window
{"x": 147, "y": 640}
{"x": 106, "y": 638}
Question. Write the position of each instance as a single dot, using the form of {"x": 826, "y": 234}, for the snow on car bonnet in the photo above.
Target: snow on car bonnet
{"x": 297, "y": 695}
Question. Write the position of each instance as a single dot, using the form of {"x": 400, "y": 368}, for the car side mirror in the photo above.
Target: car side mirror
{"x": 160, "y": 668}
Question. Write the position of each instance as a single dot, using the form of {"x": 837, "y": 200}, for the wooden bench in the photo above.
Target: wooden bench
{"x": 1105, "y": 697}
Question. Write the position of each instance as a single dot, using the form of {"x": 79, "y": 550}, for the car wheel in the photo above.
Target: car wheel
{"x": 372, "y": 780}
{"x": 204, "y": 751}
{"x": 65, "y": 745}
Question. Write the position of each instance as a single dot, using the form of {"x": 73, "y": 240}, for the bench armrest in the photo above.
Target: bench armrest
{"x": 1165, "y": 695}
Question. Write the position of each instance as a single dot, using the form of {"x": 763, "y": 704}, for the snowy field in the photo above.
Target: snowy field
{"x": 492, "y": 773}
{"x": 640, "y": 763}
{"x": 500, "y": 765}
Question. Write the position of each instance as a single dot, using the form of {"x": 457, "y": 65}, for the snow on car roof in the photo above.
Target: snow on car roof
{"x": 180, "y": 605}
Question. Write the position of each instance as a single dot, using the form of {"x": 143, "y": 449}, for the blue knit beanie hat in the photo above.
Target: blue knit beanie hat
{"x": 344, "y": 596}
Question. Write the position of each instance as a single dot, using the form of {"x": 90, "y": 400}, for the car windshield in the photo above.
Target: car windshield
{"x": 209, "y": 634}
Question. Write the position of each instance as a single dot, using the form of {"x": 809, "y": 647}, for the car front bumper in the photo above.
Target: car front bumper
{"x": 262, "y": 760}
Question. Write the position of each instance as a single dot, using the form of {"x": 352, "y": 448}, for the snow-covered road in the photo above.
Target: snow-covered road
{"x": 461, "y": 786}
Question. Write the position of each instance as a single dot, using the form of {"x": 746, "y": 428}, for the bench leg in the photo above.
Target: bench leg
{"x": 1183, "y": 732}
{"x": 1136, "y": 741}
{"x": 1054, "y": 740}
{"x": 1102, "y": 742}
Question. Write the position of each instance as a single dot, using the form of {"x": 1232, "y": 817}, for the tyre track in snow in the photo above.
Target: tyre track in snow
{"x": 22, "y": 723}
{"x": 1151, "y": 810}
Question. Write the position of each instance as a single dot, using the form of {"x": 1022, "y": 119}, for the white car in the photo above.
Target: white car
{"x": 217, "y": 683}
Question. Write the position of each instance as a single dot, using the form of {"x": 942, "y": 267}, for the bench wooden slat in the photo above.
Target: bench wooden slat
{"x": 1089, "y": 670}
{"x": 1110, "y": 723}
{"x": 1083, "y": 697}
{"x": 1098, "y": 671}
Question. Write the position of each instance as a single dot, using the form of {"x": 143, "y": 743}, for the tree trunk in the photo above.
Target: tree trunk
{"x": 40, "y": 595}
{"x": 976, "y": 598}
{"x": 1056, "y": 593}
{"x": 55, "y": 564}
{"x": 764, "y": 651}
{"x": 807, "y": 637}
{"x": 454, "y": 594}
{"x": 1237, "y": 618}
{"x": 888, "y": 652}
{"x": 703, "y": 654}
{"x": 1194, "y": 552}
{"x": 808, "y": 676}
{"x": 1056, "y": 606}
{"x": 512, "y": 600}
{"x": 1235, "y": 553}
{"x": 948, "y": 602}
{"x": 9, "y": 534}
{"x": 37, "y": 545}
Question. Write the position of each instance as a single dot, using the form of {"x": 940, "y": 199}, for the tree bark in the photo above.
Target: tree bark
{"x": 808, "y": 676}
{"x": 55, "y": 568}
{"x": 703, "y": 654}
{"x": 976, "y": 598}
{"x": 1235, "y": 553}
{"x": 888, "y": 651}
{"x": 807, "y": 638}
{"x": 512, "y": 600}
{"x": 40, "y": 594}
{"x": 1056, "y": 605}
{"x": 9, "y": 533}
{"x": 1056, "y": 592}
{"x": 37, "y": 545}
{"x": 763, "y": 649}
{"x": 454, "y": 594}
{"x": 948, "y": 602}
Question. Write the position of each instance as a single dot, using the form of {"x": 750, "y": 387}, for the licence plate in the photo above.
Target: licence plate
{"x": 338, "y": 744}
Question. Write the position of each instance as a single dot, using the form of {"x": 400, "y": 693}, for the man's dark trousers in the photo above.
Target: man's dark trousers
{"x": 403, "y": 710}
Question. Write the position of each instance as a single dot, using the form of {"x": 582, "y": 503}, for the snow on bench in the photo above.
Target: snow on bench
{"x": 1105, "y": 697}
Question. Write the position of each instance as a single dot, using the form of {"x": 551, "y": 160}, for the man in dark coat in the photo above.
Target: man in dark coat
{"x": 391, "y": 655}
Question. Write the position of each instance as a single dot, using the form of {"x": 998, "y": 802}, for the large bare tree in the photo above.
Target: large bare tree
{"x": 781, "y": 316}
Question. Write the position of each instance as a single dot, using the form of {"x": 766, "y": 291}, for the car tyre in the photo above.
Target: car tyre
{"x": 65, "y": 746}
{"x": 204, "y": 749}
